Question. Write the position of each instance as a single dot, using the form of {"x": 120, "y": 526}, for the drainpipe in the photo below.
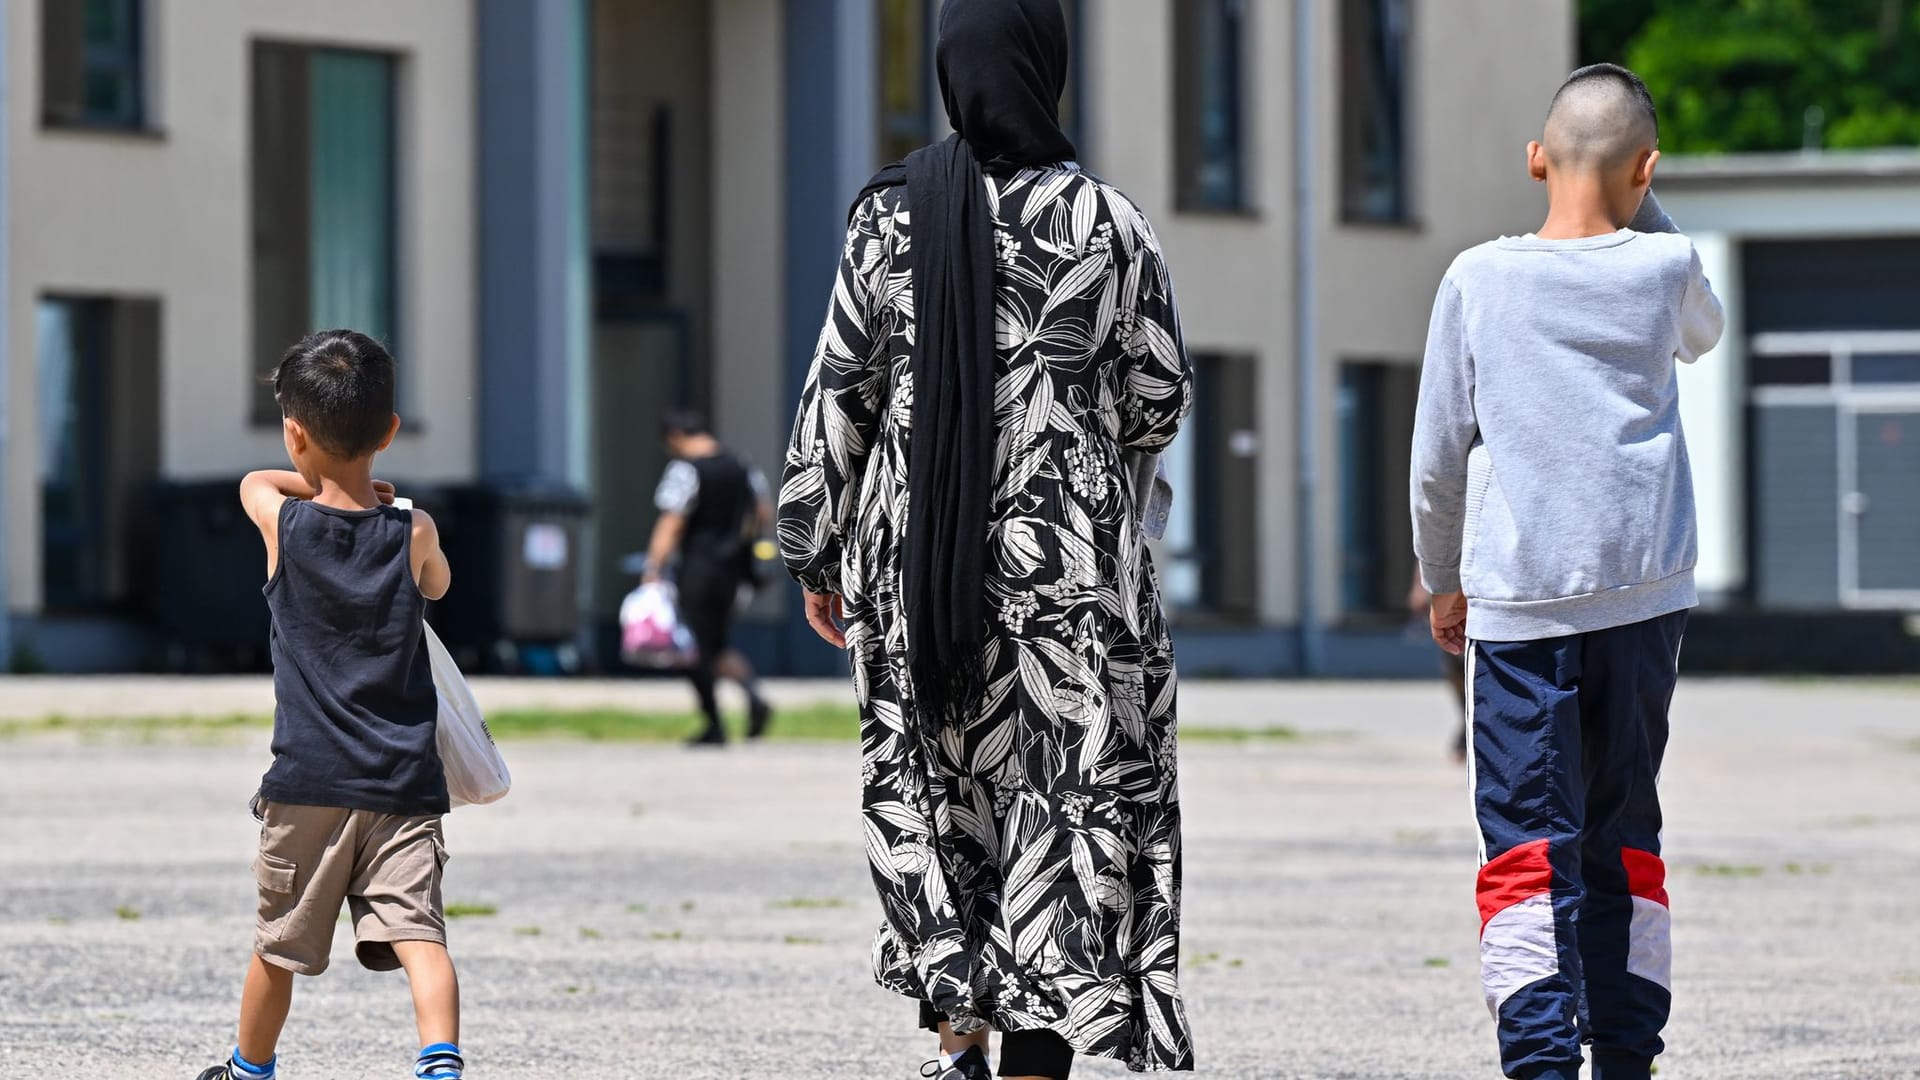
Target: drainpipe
{"x": 1306, "y": 342}
{"x": 6, "y": 456}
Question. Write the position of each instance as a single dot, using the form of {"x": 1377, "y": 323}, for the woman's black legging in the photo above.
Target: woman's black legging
{"x": 1022, "y": 1053}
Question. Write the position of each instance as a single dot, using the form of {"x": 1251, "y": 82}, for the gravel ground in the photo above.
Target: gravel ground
{"x": 666, "y": 912}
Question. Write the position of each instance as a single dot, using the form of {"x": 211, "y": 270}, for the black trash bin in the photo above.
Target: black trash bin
{"x": 207, "y": 566}
{"x": 517, "y": 559}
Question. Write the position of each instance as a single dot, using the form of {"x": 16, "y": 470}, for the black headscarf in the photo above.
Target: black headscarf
{"x": 1003, "y": 67}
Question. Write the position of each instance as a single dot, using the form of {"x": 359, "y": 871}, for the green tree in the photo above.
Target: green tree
{"x": 1740, "y": 75}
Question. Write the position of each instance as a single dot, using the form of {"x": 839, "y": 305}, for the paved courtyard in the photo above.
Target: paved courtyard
{"x": 660, "y": 912}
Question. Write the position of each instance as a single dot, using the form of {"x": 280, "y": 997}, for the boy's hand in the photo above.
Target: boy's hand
{"x": 1448, "y": 620}
{"x": 384, "y": 492}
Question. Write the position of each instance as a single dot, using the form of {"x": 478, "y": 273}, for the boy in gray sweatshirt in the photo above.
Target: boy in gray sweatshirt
{"x": 1553, "y": 518}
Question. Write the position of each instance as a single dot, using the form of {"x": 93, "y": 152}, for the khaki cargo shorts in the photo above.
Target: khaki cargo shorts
{"x": 384, "y": 867}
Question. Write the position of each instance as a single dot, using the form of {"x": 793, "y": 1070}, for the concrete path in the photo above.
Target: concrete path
{"x": 668, "y": 913}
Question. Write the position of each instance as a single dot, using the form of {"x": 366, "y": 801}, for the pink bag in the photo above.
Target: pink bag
{"x": 651, "y": 633}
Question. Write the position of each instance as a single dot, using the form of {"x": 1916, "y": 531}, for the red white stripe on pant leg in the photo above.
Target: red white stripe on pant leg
{"x": 1517, "y": 943}
{"x": 1650, "y": 939}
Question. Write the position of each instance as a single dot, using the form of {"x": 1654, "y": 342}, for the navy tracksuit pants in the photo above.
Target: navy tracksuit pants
{"x": 1568, "y": 734}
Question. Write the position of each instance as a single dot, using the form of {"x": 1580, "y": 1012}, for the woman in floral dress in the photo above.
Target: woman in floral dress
{"x": 959, "y": 501}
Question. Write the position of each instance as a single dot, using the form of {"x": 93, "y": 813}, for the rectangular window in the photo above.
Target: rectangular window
{"x": 92, "y": 64}
{"x": 1374, "y": 38}
{"x": 1374, "y": 412}
{"x": 1073, "y": 103}
{"x": 324, "y": 183}
{"x": 1211, "y": 563}
{"x": 632, "y": 162}
{"x": 905, "y": 96}
{"x": 99, "y": 442}
{"x": 1209, "y": 115}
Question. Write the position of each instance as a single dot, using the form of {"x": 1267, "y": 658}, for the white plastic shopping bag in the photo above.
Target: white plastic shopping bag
{"x": 476, "y": 773}
{"x": 651, "y": 633}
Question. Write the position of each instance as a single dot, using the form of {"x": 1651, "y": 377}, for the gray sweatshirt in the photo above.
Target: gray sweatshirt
{"x": 1550, "y": 480}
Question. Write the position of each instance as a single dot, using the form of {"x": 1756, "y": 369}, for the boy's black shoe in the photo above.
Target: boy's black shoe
{"x": 709, "y": 737}
{"x": 218, "y": 1072}
{"x": 971, "y": 1066}
{"x": 759, "y": 717}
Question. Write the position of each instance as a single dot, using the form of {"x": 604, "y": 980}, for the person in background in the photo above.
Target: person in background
{"x": 1002, "y": 332}
{"x": 712, "y": 510}
{"x": 1553, "y": 517}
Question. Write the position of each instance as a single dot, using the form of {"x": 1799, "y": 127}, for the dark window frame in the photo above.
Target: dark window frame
{"x": 901, "y": 128}
{"x": 1373, "y": 425}
{"x": 69, "y": 63}
{"x": 288, "y": 174}
{"x": 898, "y": 132}
{"x": 1376, "y": 147}
{"x": 1220, "y": 498}
{"x": 91, "y": 323}
{"x": 93, "y": 543}
{"x": 1074, "y": 111}
{"x": 1211, "y": 78}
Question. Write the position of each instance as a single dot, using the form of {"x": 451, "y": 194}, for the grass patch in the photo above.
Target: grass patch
{"x": 588, "y": 933}
{"x": 126, "y": 913}
{"x": 808, "y": 903}
{"x": 465, "y": 911}
{"x": 797, "y": 939}
{"x": 636, "y": 909}
{"x": 138, "y": 729}
{"x": 58, "y": 920}
{"x": 1271, "y": 733}
{"x": 1437, "y": 962}
{"x": 1728, "y": 870}
{"x": 527, "y": 931}
{"x": 667, "y": 935}
{"x": 813, "y": 723}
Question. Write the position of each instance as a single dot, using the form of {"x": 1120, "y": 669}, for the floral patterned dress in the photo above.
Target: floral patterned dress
{"x": 1028, "y": 861}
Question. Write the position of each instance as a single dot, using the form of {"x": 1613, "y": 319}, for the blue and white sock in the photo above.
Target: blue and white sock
{"x": 952, "y": 1061}
{"x": 441, "y": 1061}
{"x": 242, "y": 1069}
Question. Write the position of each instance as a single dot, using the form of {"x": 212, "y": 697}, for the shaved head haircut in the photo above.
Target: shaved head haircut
{"x": 1601, "y": 118}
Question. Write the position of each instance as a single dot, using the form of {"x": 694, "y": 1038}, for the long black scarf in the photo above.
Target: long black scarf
{"x": 1003, "y": 67}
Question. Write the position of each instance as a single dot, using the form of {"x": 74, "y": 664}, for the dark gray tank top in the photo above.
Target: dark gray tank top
{"x": 354, "y": 722}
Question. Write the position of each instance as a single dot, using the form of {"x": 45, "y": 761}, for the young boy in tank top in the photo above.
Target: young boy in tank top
{"x": 350, "y": 809}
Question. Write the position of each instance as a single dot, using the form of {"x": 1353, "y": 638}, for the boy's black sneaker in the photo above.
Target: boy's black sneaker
{"x": 971, "y": 1066}
{"x": 759, "y": 717}
{"x": 218, "y": 1072}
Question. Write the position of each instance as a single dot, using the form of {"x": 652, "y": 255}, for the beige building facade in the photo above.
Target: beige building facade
{"x": 133, "y": 258}
{"x": 571, "y": 217}
{"x": 1305, "y": 294}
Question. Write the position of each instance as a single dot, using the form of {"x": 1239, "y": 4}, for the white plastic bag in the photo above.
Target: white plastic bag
{"x": 476, "y": 773}
{"x": 651, "y": 633}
